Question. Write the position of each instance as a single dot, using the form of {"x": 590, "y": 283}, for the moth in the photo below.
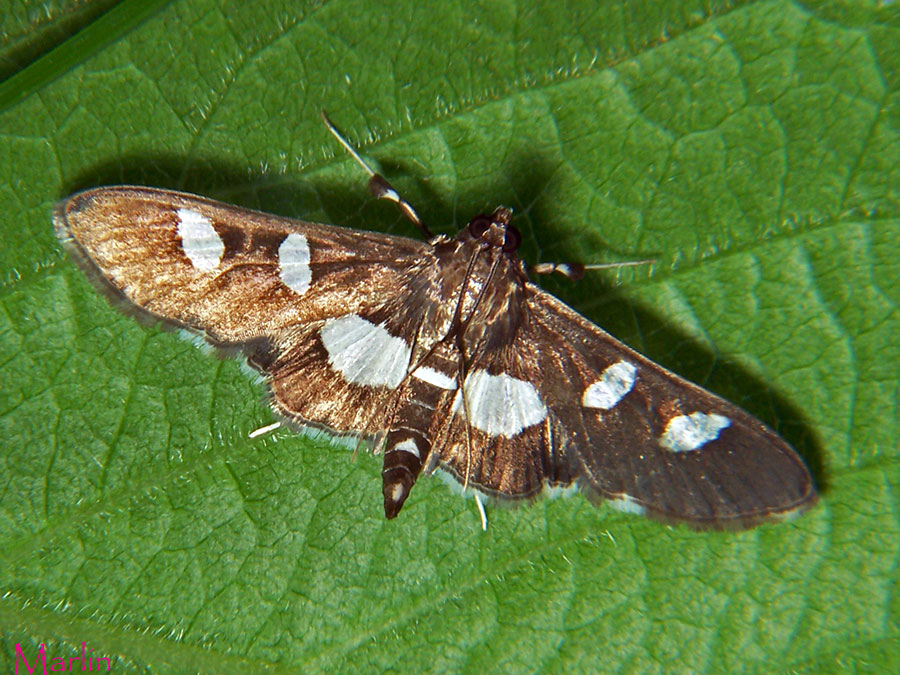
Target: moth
{"x": 442, "y": 352}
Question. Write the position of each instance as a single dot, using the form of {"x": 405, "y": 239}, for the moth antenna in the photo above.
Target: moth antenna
{"x": 349, "y": 148}
{"x": 481, "y": 512}
{"x": 626, "y": 263}
{"x": 378, "y": 184}
{"x": 576, "y": 271}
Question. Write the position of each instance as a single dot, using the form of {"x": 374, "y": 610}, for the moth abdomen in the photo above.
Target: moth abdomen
{"x": 427, "y": 389}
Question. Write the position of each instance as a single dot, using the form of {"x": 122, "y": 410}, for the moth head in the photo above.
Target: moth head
{"x": 495, "y": 230}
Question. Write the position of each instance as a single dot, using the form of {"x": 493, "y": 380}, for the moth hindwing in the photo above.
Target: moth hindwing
{"x": 442, "y": 350}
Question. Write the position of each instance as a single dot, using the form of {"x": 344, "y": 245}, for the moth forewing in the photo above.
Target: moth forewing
{"x": 443, "y": 350}
{"x": 233, "y": 273}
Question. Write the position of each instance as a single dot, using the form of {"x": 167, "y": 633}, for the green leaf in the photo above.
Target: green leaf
{"x": 752, "y": 148}
{"x": 28, "y": 29}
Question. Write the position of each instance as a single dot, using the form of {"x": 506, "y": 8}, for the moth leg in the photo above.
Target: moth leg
{"x": 378, "y": 184}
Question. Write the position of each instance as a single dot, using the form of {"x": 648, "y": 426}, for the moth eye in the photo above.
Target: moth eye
{"x": 479, "y": 225}
{"x": 512, "y": 240}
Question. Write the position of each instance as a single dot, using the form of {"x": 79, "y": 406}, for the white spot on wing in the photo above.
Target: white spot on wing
{"x": 500, "y": 405}
{"x": 435, "y": 377}
{"x": 407, "y": 445}
{"x": 692, "y": 432}
{"x": 627, "y": 504}
{"x": 293, "y": 259}
{"x": 201, "y": 243}
{"x": 397, "y": 492}
{"x": 614, "y": 383}
{"x": 365, "y": 353}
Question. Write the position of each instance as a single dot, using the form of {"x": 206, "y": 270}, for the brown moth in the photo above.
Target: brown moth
{"x": 442, "y": 351}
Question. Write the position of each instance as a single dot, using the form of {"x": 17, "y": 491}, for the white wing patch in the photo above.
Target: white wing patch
{"x": 365, "y": 353}
{"x": 293, "y": 259}
{"x": 500, "y": 405}
{"x": 616, "y": 381}
{"x": 691, "y": 432}
{"x": 435, "y": 377}
{"x": 201, "y": 243}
